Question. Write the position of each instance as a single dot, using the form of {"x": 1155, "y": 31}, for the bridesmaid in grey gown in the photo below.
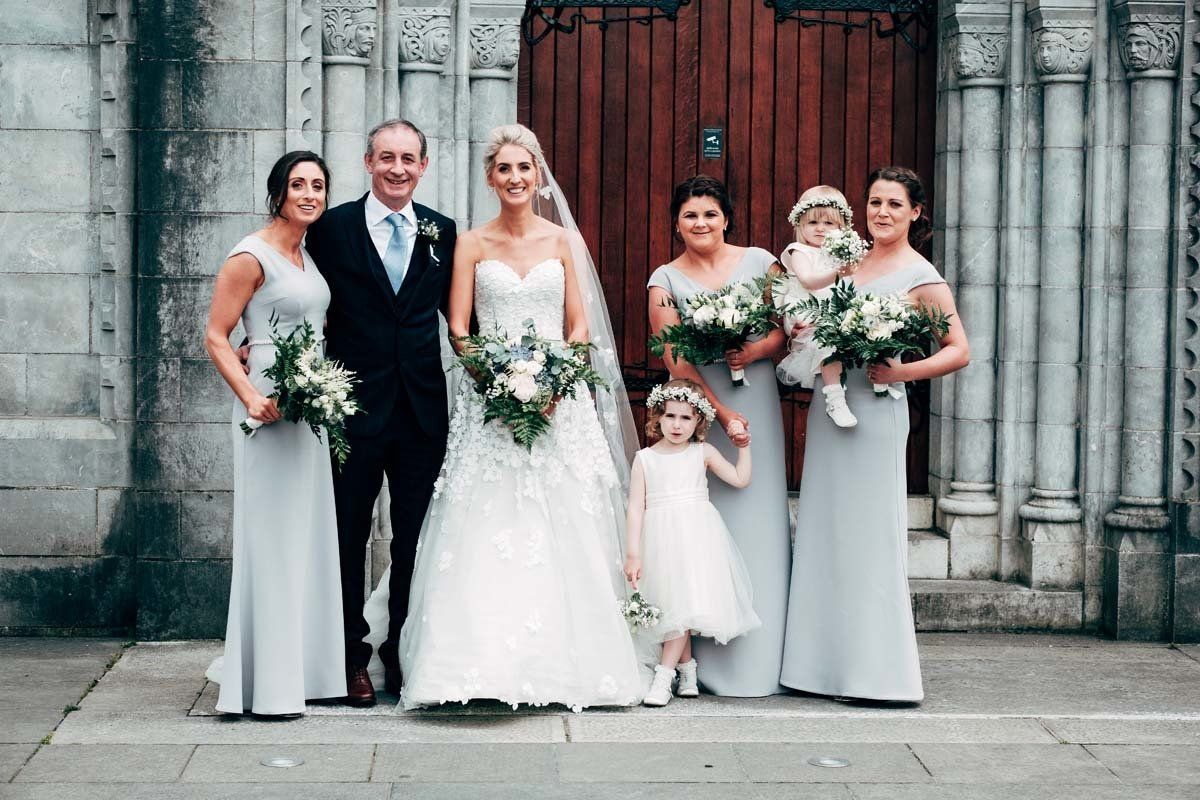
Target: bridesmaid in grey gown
{"x": 283, "y": 639}
{"x": 757, "y": 515}
{"x": 850, "y": 624}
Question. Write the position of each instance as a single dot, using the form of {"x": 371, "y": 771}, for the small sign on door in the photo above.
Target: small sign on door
{"x": 712, "y": 142}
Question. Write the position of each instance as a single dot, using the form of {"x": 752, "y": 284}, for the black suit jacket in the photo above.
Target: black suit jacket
{"x": 390, "y": 340}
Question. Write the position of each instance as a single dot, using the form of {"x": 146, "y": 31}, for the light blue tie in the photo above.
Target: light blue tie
{"x": 395, "y": 258}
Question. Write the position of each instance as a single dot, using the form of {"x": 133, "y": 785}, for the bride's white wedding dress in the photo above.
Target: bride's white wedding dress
{"x": 518, "y": 572}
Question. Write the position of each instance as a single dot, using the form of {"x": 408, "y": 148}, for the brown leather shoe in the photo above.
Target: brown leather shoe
{"x": 359, "y": 691}
{"x": 392, "y": 681}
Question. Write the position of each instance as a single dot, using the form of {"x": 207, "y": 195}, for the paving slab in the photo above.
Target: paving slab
{"x": 861, "y": 728}
{"x": 1151, "y": 763}
{"x": 105, "y": 763}
{"x": 85, "y": 726}
{"x": 323, "y": 763}
{"x": 465, "y": 763}
{"x": 779, "y": 763}
{"x": 1013, "y": 791}
{"x": 13, "y": 757}
{"x": 1125, "y": 731}
{"x": 619, "y": 791}
{"x": 24, "y": 725}
{"x": 166, "y": 676}
{"x": 648, "y": 762}
{"x": 1012, "y": 763}
{"x": 195, "y": 791}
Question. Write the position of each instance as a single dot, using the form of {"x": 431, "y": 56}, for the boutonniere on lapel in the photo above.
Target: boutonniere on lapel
{"x": 428, "y": 230}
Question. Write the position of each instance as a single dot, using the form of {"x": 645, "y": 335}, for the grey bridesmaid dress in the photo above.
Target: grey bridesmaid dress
{"x": 850, "y": 624}
{"x": 757, "y": 516}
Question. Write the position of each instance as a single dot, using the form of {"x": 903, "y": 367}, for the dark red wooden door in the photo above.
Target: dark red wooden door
{"x": 620, "y": 112}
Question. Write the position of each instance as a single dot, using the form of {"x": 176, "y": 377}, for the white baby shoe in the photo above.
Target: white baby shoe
{"x": 836, "y": 408}
{"x": 660, "y": 691}
{"x": 687, "y": 680}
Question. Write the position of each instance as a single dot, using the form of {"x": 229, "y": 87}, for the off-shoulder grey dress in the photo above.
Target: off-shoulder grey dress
{"x": 850, "y": 623}
{"x": 757, "y": 516}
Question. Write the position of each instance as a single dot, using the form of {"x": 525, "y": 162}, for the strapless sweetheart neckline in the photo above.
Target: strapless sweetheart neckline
{"x": 518, "y": 275}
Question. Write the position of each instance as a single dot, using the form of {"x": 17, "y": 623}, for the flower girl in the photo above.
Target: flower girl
{"x": 820, "y": 210}
{"x": 679, "y": 554}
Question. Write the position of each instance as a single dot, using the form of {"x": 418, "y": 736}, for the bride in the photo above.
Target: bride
{"x": 518, "y": 569}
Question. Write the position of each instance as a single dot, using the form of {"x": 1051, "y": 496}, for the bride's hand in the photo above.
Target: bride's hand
{"x": 550, "y": 409}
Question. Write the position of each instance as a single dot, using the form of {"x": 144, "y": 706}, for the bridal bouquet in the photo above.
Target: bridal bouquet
{"x": 638, "y": 613}
{"x": 713, "y": 322}
{"x": 844, "y": 247}
{"x": 309, "y": 388}
{"x": 868, "y": 329}
{"x": 520, "y": 379}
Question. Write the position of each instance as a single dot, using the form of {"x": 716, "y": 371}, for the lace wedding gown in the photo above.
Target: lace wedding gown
{"x": 518, "y": 570}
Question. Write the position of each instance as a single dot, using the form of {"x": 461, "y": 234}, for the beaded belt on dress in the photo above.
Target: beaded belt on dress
{"x": 659, "y": 499}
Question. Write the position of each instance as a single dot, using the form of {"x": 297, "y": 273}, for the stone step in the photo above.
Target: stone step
{"x": 928, "y": 555}
{"x": 962, "y": 605}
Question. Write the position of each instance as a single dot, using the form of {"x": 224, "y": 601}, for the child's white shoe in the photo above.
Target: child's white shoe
{"x": 836, "y": 408}
{"x": 660, "y": 691}
{"x": 687, "y": 679}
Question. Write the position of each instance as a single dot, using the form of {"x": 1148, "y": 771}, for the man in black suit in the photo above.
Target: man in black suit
{"x": 387, "y": 261}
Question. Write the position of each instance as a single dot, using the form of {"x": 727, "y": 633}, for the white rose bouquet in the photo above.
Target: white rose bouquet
{"x": 520, "y": 379}
{"x": 869, "y": 329}
{"x": 638, "y": 613}
{"x": 713, "y": 322}
{"x": 309, "y": 388}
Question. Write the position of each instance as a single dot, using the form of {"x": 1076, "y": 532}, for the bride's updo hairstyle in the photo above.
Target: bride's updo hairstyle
{"x": 679, "y": 389}
{"x": 701, "y": 186}
{"x": 920, "y": 229}
{"x": 511, "y": 134}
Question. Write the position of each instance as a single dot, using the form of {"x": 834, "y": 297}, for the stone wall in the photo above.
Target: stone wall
{"x": 66, "y": 529}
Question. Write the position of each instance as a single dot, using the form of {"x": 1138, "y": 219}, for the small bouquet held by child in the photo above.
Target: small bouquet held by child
{"x": 870, "y": 329}
{"x": 522, "y": 378}
{"x": 710, "y": 323}
{"x": 309, "y": 388}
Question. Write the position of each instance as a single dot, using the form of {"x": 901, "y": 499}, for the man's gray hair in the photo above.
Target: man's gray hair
{"x": 396, "y": 123}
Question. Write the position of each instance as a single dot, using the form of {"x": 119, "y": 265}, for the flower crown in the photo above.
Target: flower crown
{"x": 659, "y": 395}
{"x": 804, "y": 206}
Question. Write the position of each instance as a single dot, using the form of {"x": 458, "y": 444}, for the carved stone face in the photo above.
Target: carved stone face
{"x": 1052, "y": 51}
{"x": 438, "y": 40}
{"x": 363, "y": 38}
{"x": 968, "y": 57}
{"x": 1141, "y": 48}
{"x": 508, "y": 46}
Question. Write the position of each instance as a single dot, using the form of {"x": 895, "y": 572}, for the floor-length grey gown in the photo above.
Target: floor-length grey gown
{"x": 757, "y": 516}
{"x": 850, "y": 623}
{"x": 283, "y": 639}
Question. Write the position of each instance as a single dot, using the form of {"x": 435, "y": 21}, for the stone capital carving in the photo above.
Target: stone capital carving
{"x": 1149, "y": 33}
{"x": 495, "y": 43}
{"x": 348, "y": 29}
{"x": 1062, "y": 52}
{"x": 425, "y": 36}
{"x": 977, "y": 37}
{"x": 979, "y": 55}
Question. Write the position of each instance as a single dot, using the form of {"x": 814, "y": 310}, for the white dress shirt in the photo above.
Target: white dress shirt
{"x": 381, "y": 230}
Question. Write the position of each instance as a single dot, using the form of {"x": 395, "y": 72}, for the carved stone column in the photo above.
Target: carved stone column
{"x": 1138, "y": 547}
{"x": 1051, "y": 529}
{"x": 425, "y": 44}
{"x": 978, "y": 37}
{"x": 348, "y": 35}
{"x": 495, "y": 46}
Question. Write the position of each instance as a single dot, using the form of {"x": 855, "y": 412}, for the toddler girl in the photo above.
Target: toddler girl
{"x": 821, "y": 209}
{"x": 679, "y": 554}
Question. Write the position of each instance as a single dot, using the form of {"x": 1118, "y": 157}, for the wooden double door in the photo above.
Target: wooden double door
{"x": 621, "y": 114}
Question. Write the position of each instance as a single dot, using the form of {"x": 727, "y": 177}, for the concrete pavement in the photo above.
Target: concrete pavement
{"x": 1006, "y": 716}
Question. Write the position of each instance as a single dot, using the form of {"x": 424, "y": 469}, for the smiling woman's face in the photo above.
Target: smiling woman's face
{"x": 890, "y": 212}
